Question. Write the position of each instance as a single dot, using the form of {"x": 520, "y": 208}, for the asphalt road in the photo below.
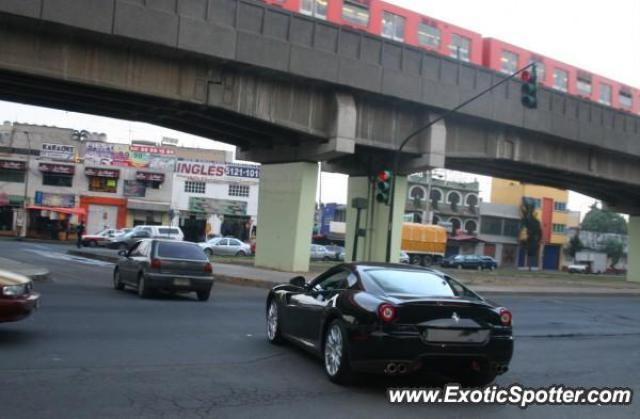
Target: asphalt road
{"x": 91, "y": 352}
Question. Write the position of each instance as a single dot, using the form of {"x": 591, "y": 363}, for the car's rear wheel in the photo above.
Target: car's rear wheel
{"x": 123, "y": 246}
{"x": 208, "y": 252}
{"x": 241, "y": 253}
{"x": 204, "y": 295}
{"x": 416, "y": 259}
{"x": 117, "y": 282}
{"x": 459, "y": 266}
{"x": 335, "y": 351}
{"x": 273, "y": 323}
{"x": 143, "y": 288}
{"x": 93, "y": 243}
{"x": 479, "y": 267}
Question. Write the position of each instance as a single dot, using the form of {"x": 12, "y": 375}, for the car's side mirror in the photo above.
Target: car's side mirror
{"x": 122, "y": 253}
{"x": 298, "y": 281}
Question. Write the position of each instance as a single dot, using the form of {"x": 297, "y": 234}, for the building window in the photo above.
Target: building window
{"x": 583, "y": 85}
{"x": 537, "y": 203}
{"x": 460, "y": 47}
{"x": 195, "y": 187}
{"x": 393, "y": 26}
{"x": 559, "y": 228}
{"x": 315, "y": 8}
{"x": 470, "y": 227}
{"x": 559, "y": 206}
{"x": 491, "y": 225}
{"x": 428, "y": 35}
{"x": 560, "y": 80}
{"x": 511, "y": 228}
{"x": 239, "y": 190}
{"x": 456, "y": 224}
{"x": 509, "y": 62}
{"x": 54, "y": 179}
{"x": 103, "y": 184}
{"x": 355, "y": 13}
{"x": 417, "y": 193}
{"x": 10, "y": 175}
{"x": 626, "y": 101}
{"x": 605, "y": 94}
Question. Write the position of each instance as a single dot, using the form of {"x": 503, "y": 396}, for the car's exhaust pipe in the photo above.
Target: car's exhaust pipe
{"x": 402, "y": 369}
{"x": 500, "y": 368}
{"x": 391, "y": 368}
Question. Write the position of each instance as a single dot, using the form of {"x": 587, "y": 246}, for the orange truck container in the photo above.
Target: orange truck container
{"x": 424, "y": 243}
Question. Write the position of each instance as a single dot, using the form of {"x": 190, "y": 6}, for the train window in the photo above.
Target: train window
{"x": 428, "y": 35}
{"x": 460, "y": 47}
{"x": 393, "y": 26}
{"x": 355, "y": 12}
{"x": 583, "y": 85}
{"x": 316, "y": 8}
{"x": 560, "y": 80}
{"x": 626, "y": 101}
{"x": 509, "y": 62}
{"x": 605, "y": 94}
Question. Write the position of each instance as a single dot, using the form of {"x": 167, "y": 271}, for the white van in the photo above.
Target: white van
{"x": 162, "y": 232}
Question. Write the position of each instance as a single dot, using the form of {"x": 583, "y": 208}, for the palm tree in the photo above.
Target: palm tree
{"x": 530, "y": 223}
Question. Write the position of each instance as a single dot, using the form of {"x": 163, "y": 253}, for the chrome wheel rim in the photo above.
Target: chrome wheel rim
{"x": 272, "y": 321}
{"x": 333, "y": 350}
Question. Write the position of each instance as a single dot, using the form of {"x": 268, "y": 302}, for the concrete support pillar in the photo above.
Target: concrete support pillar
{"x": 286, "y": 207}
{"x": 633, "y": 257}
{"x": 374, "y": 219}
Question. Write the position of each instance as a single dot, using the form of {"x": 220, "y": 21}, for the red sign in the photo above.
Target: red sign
{"x": 92, "y": 171}
{"x": 200, "y": 169}
{"x": 151, "y": 149}
{"x": 13, "y": 165}
{"x": 151, "y": 177}
{"x": 57, "y": 168}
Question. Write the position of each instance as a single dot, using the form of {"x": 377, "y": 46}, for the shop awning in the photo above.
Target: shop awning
{"x": 71, "y": 211}
{"x": 137, "y": 204}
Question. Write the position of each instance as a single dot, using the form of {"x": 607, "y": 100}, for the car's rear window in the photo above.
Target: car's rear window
{"x": 409, "y": 282}
{"x": 168, "y": 231}
{"x": 180, "y": 250}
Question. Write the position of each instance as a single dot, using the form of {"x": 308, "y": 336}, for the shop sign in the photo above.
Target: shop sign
{"x": 47, "y": 199}
{"x": 94, "y": 171}
{"x": 133, "y": 188}
{"x": 58, "y": 151}
{"x": 106, "y": 154}
{"x": 60, "y": 169}
{"x": 124, "y": 155}
{"x": 216, "y": 171}
{"x": 251, "y": 171}
{"x": 152, "y": 150}
{"x": 13, "y": 165}
{"x": 150, "y": 177}
{"x": 217, "y": 206}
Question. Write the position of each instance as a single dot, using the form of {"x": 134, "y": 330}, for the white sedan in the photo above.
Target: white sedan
{"x": 225, "y": 246}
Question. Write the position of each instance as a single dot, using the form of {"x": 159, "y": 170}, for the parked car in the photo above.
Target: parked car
{"x": 17, "y": 298}
{"x": 161, "y": 264}
{"x": 319, "y": 252}
{"x": 225, "y": 246}
{"x": 335, "y": 251}
{"x": 125, "y": 241}
{"x": 162, "y": 232}
{"x": 404, "y": 257}
{"x": 392, "y": 319}
{"x": 489, "y": 263}
{"x": 463, "y": 262}
{"x": 579, "y": 268}
{"x": 100, "y": 239}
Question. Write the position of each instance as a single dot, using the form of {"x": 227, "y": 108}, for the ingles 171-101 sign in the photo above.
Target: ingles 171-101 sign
{"x": 216, "y": 171}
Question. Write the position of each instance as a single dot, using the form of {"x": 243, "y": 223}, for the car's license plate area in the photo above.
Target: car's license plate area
{"x": 181, "y": 282}
{"x": 434, "y": 335}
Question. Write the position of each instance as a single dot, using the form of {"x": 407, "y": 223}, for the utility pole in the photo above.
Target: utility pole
{"x": 396, "y": 153}
{"x": 23, "y": 233}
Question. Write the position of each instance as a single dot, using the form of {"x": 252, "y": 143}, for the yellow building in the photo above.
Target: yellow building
{"x": 551, "y": 205}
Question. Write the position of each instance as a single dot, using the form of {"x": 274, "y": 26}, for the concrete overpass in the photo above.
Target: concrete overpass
{"x": 289, "y": 91}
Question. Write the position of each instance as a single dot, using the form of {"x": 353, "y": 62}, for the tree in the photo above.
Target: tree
{"x": 530, "y": 223}
{"x": 604, "y": 221}
{"x": 615, "y": 250}
{"x": 575, "y": 245}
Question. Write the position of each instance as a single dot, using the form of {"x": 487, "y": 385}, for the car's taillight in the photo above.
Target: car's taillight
{"x": 505, "y": 317}
{"x": 208, "y": 268}
{"x": 156, "y": 263}
{"x": 386, "y": 312}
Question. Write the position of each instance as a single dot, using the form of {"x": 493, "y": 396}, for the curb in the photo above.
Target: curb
{"x": 257, "y": 283}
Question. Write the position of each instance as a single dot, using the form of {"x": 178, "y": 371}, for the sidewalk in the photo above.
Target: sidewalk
{"x": 266, "y": 278}
{"x": 36, "y": 273}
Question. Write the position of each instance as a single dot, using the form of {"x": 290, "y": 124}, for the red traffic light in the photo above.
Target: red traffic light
{"x": 525, "y": 76}
{"x": 384, "y": 176}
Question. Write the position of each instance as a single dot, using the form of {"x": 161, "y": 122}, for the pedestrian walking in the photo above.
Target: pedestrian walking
{"x": 79, "y": 233}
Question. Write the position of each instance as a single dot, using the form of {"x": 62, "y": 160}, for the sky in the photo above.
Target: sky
{"x": 601, "y": 37}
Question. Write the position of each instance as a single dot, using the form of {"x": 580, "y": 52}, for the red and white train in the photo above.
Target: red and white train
{"x": 403, "y": 25}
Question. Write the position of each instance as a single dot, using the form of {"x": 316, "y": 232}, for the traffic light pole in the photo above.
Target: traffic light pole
{"x": 396, "y": 154}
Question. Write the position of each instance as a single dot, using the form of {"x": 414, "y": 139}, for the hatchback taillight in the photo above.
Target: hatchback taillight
{"x": 505, "y": 317}
{"x": 386, "y": 312}
{"x": 156, "y": 263}
{"x": 208, "y": 268}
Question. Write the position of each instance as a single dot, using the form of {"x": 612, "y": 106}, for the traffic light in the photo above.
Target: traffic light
{"x": 383, "y": 186}
{"x": 529, "y": 88}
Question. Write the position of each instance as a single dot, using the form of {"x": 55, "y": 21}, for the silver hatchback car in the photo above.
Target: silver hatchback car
{"x": 225, "y": 246}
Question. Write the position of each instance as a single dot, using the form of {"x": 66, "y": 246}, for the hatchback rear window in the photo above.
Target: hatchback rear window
{"x": 168, "y": 231}
{"x": 409, "y": 282}
{"x": 180, "y": 250}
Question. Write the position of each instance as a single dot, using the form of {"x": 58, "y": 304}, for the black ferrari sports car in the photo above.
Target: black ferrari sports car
{"x": 392, "y": 319}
